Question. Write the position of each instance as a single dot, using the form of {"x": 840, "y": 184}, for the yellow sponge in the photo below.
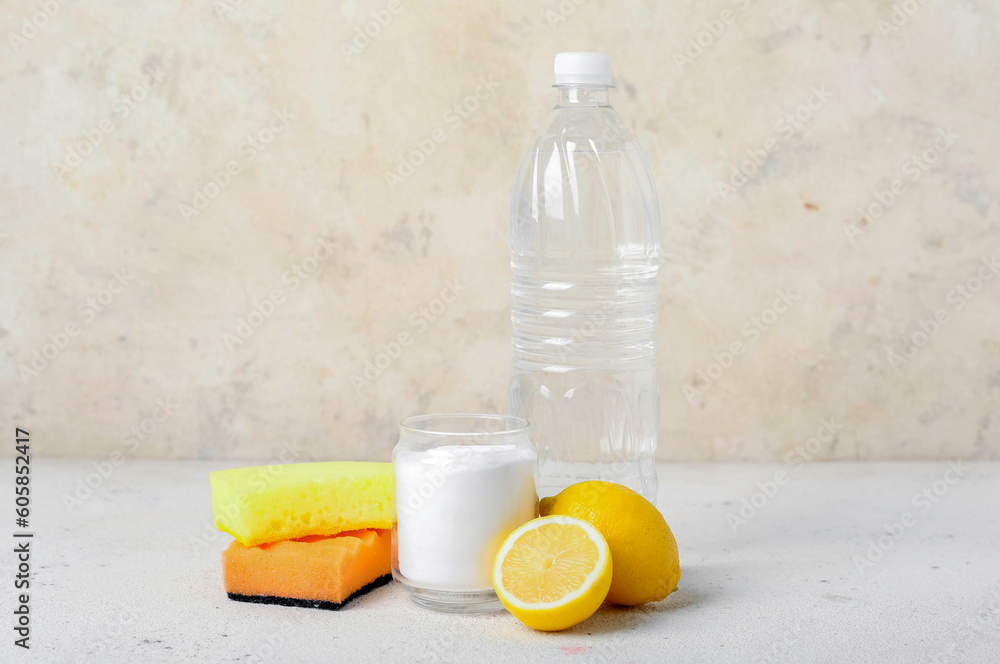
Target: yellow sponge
{"x": 269, "y": 503}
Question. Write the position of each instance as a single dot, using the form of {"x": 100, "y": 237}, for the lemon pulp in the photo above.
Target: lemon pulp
{"x": 553, "y": 572}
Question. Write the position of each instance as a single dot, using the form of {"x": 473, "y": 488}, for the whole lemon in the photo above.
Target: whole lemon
{"x": 645, "y": 565}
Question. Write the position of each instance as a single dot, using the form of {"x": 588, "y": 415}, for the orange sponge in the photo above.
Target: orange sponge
{"x": 315, "y": 571}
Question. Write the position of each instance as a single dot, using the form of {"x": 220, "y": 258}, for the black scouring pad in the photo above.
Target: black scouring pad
{"x": 309, "y": 603}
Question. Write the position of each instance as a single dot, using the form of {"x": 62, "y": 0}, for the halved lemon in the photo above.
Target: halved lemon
{"x": 553, "y": 572}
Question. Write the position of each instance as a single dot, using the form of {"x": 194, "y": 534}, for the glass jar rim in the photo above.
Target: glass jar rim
{"x": 433, "y": 424}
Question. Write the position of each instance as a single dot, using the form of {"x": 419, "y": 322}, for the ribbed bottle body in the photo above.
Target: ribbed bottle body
{"x": 584, "y": 240}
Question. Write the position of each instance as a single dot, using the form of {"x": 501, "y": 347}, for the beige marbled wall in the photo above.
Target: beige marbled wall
{"x": 121, "y": 229}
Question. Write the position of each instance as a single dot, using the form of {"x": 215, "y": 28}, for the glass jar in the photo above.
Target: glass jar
{"x": 463, "y": 484}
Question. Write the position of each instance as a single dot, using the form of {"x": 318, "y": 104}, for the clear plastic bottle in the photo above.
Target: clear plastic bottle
{"x": 584, "y": 245}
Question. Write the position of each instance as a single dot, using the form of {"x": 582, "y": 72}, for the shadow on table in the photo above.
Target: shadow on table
{"x": 694, "y": 589}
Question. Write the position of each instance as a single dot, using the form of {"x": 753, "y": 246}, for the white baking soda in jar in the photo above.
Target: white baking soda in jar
{"x": 463, "y": 484}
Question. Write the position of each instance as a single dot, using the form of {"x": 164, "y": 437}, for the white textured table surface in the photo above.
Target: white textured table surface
{"x": 133, "y": 574}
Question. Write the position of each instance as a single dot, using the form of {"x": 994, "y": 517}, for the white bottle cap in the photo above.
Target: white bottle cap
{"x": 580, "y": 68}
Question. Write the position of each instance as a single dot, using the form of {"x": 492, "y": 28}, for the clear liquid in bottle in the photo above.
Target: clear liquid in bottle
{"x": 584, "y": 241}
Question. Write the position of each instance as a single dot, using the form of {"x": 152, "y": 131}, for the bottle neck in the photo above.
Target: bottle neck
{"x": 569, "y": 96}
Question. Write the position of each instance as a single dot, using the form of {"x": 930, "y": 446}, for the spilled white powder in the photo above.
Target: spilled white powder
{"x": 455, "y": 505}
